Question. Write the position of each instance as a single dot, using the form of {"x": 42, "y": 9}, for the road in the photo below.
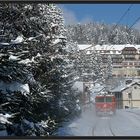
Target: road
{"x": 126, "y": 122}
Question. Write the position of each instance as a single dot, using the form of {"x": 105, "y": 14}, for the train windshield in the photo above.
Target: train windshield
{"x": 104, "y": 99}
{"x": 100, "y": 99}
{"x": 108, "y": 99}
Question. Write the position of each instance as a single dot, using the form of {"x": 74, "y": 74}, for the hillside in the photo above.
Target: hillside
{"x": 98, "y": 33}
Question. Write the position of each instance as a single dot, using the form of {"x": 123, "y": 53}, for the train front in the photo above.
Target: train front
{"x": 105, "y": 104}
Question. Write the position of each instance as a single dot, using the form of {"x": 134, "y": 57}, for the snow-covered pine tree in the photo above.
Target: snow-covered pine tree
{"x": 20, "y": 46}
{"x": 79, "y": 63}
{"x": 72, "y": 50}
{"x": 95, "y": 32}
{"x": 109, "y": 67}
{"x": 33, "y": 55}
{"x": 89, "y": 64}
{"x": 98, "y": 68}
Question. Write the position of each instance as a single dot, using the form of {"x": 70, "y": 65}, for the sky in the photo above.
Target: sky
{"x": 107, "y": 13}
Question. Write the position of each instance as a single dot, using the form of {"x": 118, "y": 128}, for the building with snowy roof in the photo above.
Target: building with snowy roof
{"x": 125, "y": 58}
{"x": 127, "y": 95}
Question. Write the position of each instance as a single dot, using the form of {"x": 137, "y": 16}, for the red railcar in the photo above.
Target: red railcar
{"x": 105, "y": 104}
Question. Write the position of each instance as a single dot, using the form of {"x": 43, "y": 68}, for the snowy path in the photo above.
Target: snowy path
{"x": 124, "y": 123}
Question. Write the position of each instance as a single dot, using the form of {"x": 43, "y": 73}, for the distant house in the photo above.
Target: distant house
{"x": 131, "y": 95}
{"x": 127, "y": 95}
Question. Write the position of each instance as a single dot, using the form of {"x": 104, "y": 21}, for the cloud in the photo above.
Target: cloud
{"x": 71, "y": 18}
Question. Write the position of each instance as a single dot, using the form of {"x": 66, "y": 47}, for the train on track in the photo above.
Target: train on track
{"x": 105, "y": 104}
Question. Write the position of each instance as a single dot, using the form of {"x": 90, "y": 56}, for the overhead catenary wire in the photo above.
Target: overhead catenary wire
{"x": 134, "y": 23}
{"x": 121, "y": 18}
{"x": 117, "y": 24}
{"x": 128, "y": 9}
{"x": 125, "y": 13}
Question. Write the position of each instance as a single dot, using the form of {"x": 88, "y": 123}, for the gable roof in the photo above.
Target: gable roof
{"x": 124, "y": 87}
{"x": 135, "y": 83}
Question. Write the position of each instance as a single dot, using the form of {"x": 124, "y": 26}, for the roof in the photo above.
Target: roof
{"x": 107, "y": 47}
{"x": 129, "y": 48}
{"x": 124, "y": 86}
{"x": 136, "y": 83}
{"x": 83, "y": 46}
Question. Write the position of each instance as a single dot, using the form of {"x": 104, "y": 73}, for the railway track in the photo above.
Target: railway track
{"x": 108, "y": 124}
{"x": 94, "y": 128}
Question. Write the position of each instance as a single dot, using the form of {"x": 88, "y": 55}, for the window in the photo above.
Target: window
{"x": 125, "y": 64}
{"x": 104, "y": 99}
{"x": 108, "y": 99}
{"x": 100, "y": 99}
{"x": 114, "y": 51}
{"x": 129, "y": 95}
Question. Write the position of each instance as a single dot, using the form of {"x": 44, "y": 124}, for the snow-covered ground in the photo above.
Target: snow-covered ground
{"x": 124, "y": 123}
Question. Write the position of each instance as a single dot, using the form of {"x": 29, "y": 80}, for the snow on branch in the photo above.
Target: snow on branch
{"x": 4, "y": 118}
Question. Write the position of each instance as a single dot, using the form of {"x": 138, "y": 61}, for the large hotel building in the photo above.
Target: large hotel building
{"x": 125, "y": 58}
